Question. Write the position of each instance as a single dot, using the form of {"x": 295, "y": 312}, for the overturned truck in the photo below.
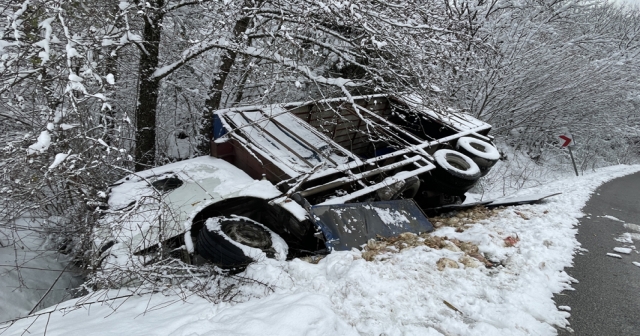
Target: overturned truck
{"x": 294, "y": 179}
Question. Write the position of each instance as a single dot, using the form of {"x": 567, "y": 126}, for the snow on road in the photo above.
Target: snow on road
{"x": 625, "y": 250}
{"x": 627, "y": 238}
{"x": 398, "y": 293}
{"x": 612, "y": 218}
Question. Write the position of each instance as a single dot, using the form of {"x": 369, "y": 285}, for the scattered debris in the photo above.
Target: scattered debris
{"x": 472, "y": 258}
{"x": 636, "y": 263}
{"x": 446, "y": 263}
{"x": 511, "y": 241}
{"x": 461, "y": 219}
{"x": 314, "y": 259}
{"x": 614, "y": 255}
{"x": 565, "y": 308}
{"x": 469, "y": 261}
{"x": 451, "y": 306}
{"x": 525, "y": 217}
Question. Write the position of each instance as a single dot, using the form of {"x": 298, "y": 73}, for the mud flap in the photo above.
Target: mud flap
{"x": 347, "y": 226}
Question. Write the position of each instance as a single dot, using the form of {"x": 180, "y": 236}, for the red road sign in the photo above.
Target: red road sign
{"x": 567, "y": 140}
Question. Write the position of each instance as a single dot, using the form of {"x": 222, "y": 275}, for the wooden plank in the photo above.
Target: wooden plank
{"x": 324, "y": 114}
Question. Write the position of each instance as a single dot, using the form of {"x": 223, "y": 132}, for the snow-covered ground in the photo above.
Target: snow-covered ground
{"x": 29, "y": 270}
{"x": 397, "y": 293}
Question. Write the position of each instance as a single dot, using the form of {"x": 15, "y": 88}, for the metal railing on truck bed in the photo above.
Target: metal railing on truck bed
{"x": 336, "y": 151}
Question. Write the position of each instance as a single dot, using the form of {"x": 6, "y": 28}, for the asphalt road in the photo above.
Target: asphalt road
{"x": 607, "y": 298}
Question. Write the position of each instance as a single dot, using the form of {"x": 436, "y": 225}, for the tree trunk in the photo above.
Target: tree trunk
{"x": 148, "y": 90}
{"x": 215, "y": 91}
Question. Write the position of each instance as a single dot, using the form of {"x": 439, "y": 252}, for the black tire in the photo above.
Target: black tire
{"x": 484, "y": 154}
{"x": 226, "y": 244}
{"x": 409, "y": 189}
{"x": 455, "y": 173}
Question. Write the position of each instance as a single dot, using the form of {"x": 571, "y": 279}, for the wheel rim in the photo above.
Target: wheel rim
{"x": 478, "y": 147}
{"x": 247, "y": 233}
{"x": 458, "y": 162}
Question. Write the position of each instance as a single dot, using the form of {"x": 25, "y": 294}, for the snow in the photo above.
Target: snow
{"x": 520, "y": 198}
{"x": 391, "y": 216}
{"x": 613, "y": 255}
{"x": 28, "y": 271}
{"x": 110, "y": 79}
{"x": 287, "y": 139}
{"x": 66, "y": 127}
{"x": 634, "y": 227}
{"x": 206, "y": 180}
{"x": 292, "y": 207}
{"x": 4, "y": 44}
{"x": 58, "y": 160}
{"x": 624, "y": 250}
{"x": 459, "y": 121}
{"x": 441, "y": 158}
{"x": 75, "y": 78}
{"x": 44, "y": 44}
{"x": 636, "y": 263}
{"x": 490, "y": 152}
{"x": 278, "y": 244}
{"x": 398, "y": 293}
{"x": 43, "y": 143}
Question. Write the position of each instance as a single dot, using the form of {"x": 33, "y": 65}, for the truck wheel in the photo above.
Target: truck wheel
{"x": 400, "y": 190}
{"x": 455, "y": 173}
{"x": 409, "y": 189}
{"x": 484, "y": 154}
{"x": 235, "y": 242}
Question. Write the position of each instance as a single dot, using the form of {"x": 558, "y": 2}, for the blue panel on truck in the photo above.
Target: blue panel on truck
{"x": 218, "y": 128}
{"x": 346, "y": 226}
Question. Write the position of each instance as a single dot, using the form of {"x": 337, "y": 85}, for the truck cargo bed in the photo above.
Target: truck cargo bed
{"x": 337, "y": 150}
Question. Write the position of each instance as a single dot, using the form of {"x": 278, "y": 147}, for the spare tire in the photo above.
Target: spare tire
{"x": 401, "y": 190}
{"x": 455, "y": 173}
{"x": 484, "y": 154}
{"x": 235, "y": 242}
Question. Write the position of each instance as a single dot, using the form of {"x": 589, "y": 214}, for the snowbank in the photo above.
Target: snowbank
{"x": 399, "y": 293}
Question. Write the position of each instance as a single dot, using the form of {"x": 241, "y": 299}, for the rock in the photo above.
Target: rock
{"x": 468, "y": 248}
{"x": 481, "y": 259}
{"x": 451, "y": 246}
{"x": 433, "y": 242}
{"x": 369, "y": 255}
{"x": 446, "y": 263}
{"x": 407, "y": 235}
{"x": 471, "y": 262}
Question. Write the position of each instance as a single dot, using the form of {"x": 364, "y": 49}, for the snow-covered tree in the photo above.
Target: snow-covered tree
{"x": 248, "y": 52}
{"x": 555, "y": 65}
